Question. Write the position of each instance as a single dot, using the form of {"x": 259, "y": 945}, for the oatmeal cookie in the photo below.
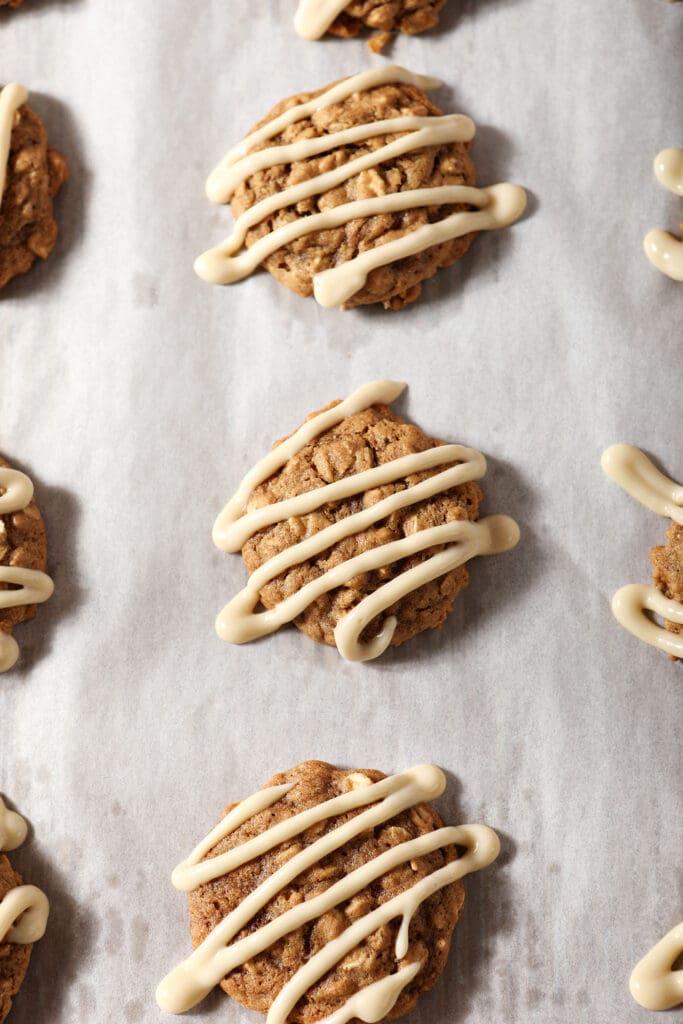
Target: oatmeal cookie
{"x": 667, "y": 570}
{"x": 350, "y": 892}
{"x": 367, "y": 439}
{"x": 635, "y": 604}
{"x": 23, "y": 546}
{"x": 388, "y": 16}
{"x": 33, "y": 172}
{"x": 354, "y": 216}
{"x": 357, "y": 527}
{"x": 14, "y": 958}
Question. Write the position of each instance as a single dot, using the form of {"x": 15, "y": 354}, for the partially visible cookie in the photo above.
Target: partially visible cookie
{"x": 31, "y": 172}
{"x": 667, "y": 571}
{"x": 23, "y": 557}
{"x": 356, "y": 193}
{"x": 24, "y": 911}
{"x": 14, "y": 957}
{"x": 11, "y": 3}
{"x": 635, "y": 604}
{"x": 328, "y": 892}
{"x": 357, "y": 527}
{"x": 346, "y": 19}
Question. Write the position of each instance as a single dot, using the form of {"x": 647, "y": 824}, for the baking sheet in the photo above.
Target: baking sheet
{"x": 136, "y": 396}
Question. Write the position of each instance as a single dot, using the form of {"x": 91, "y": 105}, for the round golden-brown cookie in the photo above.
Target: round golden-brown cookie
{"x": 257, "y": 983}
{"x": 407, "y": 16}
{"x": 362, "y": 441}
{"x": 667, "y": 570}
{"x": 14, "y": 958}
{"x": 35, "y": 171}
{"x": 23, "y": 545}
{"x": 295, "y": 264}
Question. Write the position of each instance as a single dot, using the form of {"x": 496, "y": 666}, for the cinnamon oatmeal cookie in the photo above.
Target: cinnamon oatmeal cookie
{"x": 23, "y": 557}
{"x": 667, "y": 570}
{"x": 387, "y": 16}
{"x": 357, "y": 527}
{"x": 367, "y": 439}
{"x": 356, "y": 193}
{"x": 32, "y": 171}
{"x": 14, "y": 957}
{"x": 328, "y": 892}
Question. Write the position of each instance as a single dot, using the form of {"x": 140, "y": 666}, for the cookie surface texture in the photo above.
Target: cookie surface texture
{"x": 33, "y": 173}
{"x": 259, "y": 981}
{"x": 667, "y": 570}
{"x": 316, "y": 17}
{"x": 365, "y": 440}
{"x": 408, "y": 16}
{"x": 14, "y": 958}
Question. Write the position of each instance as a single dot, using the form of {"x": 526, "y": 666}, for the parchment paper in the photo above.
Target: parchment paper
{"x": 137, "y": 396}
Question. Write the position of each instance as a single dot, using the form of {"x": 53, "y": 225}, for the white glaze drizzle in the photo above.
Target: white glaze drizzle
{"x": 35, "y": 587}
{"x": 13, "y": 828}
{"x": 12, "y": 97}
{"x": 228, "y": 262}
{"x": 314, "y": 17}
{"x": 631, "y": 469}
{"x": 23, "y": 910}
{"x": 653, "y": 984}
{"x": 193, "y": 979}
{"x": 668, "y": 167}
{"x": 663, "y": 249}
{"x": 239, "y": 623}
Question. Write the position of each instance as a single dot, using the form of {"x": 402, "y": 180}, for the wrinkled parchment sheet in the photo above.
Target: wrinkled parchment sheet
{"x": 136, "y": 396}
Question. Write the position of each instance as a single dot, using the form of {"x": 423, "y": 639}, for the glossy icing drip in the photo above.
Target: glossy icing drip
{"x": 12, "y": 97}
{"x": 653, "y": 983}
{"x": 663, "y": 249}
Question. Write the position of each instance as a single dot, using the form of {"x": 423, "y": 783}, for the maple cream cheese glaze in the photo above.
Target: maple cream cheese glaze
{"x": 24, "y": 910}
{"x": 12, "y": 97}
{"x": 663, "y": 249}
{"x": 314, "y": 17}
{"x": 34, "y": 587}
{"x": 635, "y": 473}
{"x": 239, "y": 622}
{"x": 497, "y": 206}
{"x": 218, "y": 954}
{"x": 654, "y": 984}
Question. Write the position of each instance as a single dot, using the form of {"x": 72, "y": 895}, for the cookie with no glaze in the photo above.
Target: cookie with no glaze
{"x": 410, "y": 17}
{"x": 14, "y": 957}
{"x": 11, "y": 3}
{"x": 31, "y": 173}
{"x": 356, "y": 193}
{"x": 327, "y": 895}
{"x": 23, "y": 557}
{"x": 357, "y": 527}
